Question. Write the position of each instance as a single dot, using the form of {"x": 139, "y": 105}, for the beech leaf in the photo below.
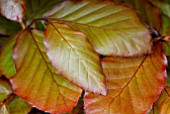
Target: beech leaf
{"x": 8, "y": 27}
{"x": 7, "y": 66}
{"x": 163, "y": 103}
{"x": 36, "y": 80}
{"x": 147, "y": 12}
{"x": 113, "y": 29}
{"x": 4, "y": 109}
{"x": 36, "y": 8}
{"x": 5, "y": 89}
{"x": 74, "y": 57}
{"x": 13, "y": 9}
{"x": 18, "y": 106}
{"x": 133, "y": 84}
{"x": 163, "y": 6}
{"x": 154, "y": 110}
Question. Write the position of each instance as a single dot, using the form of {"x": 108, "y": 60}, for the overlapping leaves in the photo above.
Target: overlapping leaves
{"x": 113, "y": 29}
{"x": 162, "y": 105}
{"x": 133, "y": 84}
{"x": 35, "y": 79}
{"x": 10, "y": 103}
{"x": 74, "y": 57}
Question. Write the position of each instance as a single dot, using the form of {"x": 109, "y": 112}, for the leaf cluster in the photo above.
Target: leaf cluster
{"x": 85, "y": 56}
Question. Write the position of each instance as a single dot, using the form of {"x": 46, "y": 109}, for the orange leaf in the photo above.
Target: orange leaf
{"x": 163, "y": 103}
{"x": 74, "y": 57}
{"x": 35, "y": 79}
{"x": 133, "y": 84}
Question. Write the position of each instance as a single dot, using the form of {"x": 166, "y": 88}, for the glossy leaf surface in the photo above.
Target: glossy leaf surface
{"x": 36, "y": 81}
{"x": 74, "y": 57}
{"x": 18, "y": 106}
{"x": 133, "y": 84}
{"x": 5, "y": 89}
{"x": 7, "y": 66}
{"x": 113, "y": 29}
{"x": 13, "y": 9}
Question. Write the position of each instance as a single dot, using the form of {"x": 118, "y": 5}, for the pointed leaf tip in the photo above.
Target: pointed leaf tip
{"x": 133, "y": 84}
{"x": 74, "y": 57}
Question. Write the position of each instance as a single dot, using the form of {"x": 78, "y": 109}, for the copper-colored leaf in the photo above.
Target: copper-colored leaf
{"x": 133, "y": 84}
{"x": 113, "y": 29}
{"x": 13, "y": 9}
{"x": 74, "y": 57}
{"x": 36, "y": 80}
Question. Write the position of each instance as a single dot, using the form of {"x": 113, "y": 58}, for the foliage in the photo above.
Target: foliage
{"x": 85, "y": 56}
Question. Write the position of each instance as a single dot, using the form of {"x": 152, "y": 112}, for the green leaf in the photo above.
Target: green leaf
{"x": 13, "y": 9}
{"x": 18, "y": 106}
{"x": 113, "y": 29}
{"x": 35, "y": 8}
{"x": 165, "y": 28}
{"x": 7, "y": 66}
{"x": 163, "y": 6}
{"x": 8, "y": 27}
{"x": 4, "y": 109}
{"x": 165, "y": 10}
{"x": 74, "y": 57}
{"x": 133, "y": 84}
{"x": 5, "y": 89}
{"x": 36, "y": 80}
{"x": 166, "y": 48}
{"x": 147, "y": 12}
{"x": 3, "y": 40}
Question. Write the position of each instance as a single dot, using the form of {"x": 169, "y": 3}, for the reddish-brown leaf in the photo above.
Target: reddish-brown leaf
{"x": 36, "y": 80}
{"x": 133, "y": 84}
{"x": 13, "y": 9}
{"x": 74, "y": 57}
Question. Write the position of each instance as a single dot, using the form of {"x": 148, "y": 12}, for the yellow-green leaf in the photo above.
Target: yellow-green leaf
{"x": 74, "y": 57}
{"x": 7, "y": 66}
{"x": 5, "y": 89}
{"x": 147, "y": 12}
{"x": 133, "y": 84}
{"x": 36, "y": 80}
{"x": 18, "y": 106}
{"x": 113, "y": 29}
